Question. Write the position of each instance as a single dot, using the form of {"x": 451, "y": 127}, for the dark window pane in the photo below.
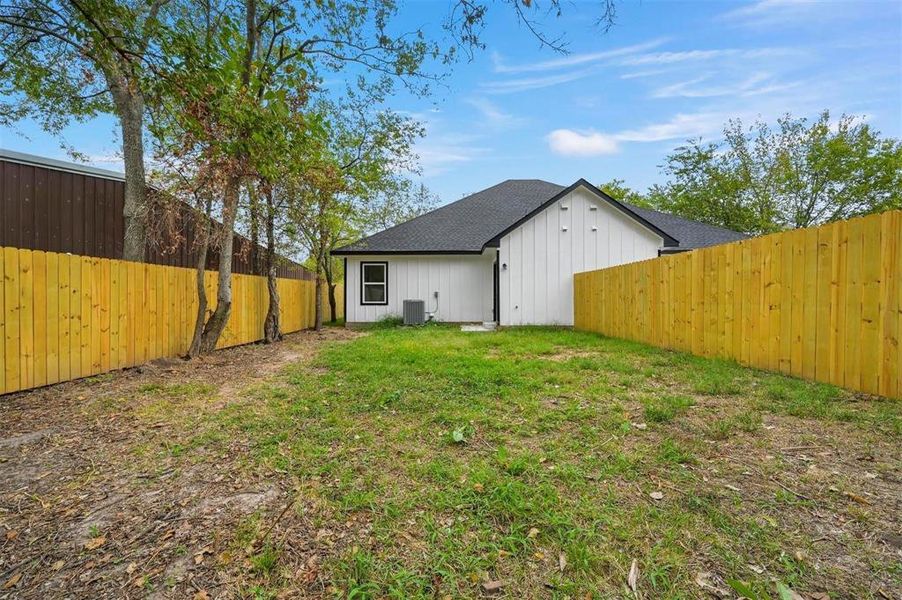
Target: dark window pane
{"x": 373, "y": 293}
{"x": 374, "y": 273}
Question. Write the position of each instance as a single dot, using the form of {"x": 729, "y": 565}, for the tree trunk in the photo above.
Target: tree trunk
{"x": 130, "y": 110}
{"x": 220, "y": 317}
{"x": 272, "y": 327}
{"x": 330, "y": 286}
{"x": 318, "y": 322}
{"x": 254, "y": 214}
{"x": 333, "y": 311}
{"x": 200, "y": 270}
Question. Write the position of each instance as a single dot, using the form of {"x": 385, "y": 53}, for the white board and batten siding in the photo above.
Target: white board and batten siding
{"x": 463, "y": 282}
{"x": 541, "y": 258}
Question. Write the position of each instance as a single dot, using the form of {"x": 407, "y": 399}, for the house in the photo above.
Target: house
{"x": 507, "y": 254}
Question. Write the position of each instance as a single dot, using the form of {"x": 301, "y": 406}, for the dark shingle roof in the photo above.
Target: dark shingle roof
{"x": 463, "y": 226}
{"x": 691, "y": 234}
{"x": 472, "y": 223}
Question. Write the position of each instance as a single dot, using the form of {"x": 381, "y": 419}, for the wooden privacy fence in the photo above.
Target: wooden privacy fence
{"x": 823, "y": 303}
{"x": 64, "y": 316}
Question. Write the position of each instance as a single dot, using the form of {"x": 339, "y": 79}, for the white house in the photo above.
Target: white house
{"x": 507, "y": 254}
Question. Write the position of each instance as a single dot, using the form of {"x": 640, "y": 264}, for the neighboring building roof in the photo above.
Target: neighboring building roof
{"x": 59, "y": 165}
{"x": 471, "y": 224}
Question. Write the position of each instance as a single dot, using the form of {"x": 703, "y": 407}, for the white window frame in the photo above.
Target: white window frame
{"x": 364, "y": 283}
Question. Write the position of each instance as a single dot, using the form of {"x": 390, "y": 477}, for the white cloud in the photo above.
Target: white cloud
{"x": 668, "y": 58}
{"x": 492, "y": 114}
{"x": 681, "y": 126}
{"x": 643, "y": 74}
{"x": 684, "y": 56}
{"x": 752, "y": 85}
{"x": 581, "y": 143}
{"x": 568, "y": 142}
{"x": 441, "y": 151}
{"x": 768, "y": 13}
{"x": 531, "y": 83}
{"x": 573, "y": 60}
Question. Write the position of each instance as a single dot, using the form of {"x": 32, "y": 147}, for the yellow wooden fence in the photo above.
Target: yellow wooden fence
{"x": 63, "y": 316}
{"x": 823, "y": 303}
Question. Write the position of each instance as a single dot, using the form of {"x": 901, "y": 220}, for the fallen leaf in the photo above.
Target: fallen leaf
{"x": 641, "y": 426}
{"x": 199, "y": 555}
{"x": 11, "y": 534}
{"x": 95, "y": 543}
{"x": 657, "y": 495}
{"x": 732, "y": 488}
{"x": 787, "y": 593}
{"x": 756, "y": 569}
{"x": 202, "y": 595}
{"x": 633, "y": 578}
{"x": 562, "y": 561}
{"x": 131, "y": 568}
{"x": 492, "y": 587}
{"x": 478, "y": 487}
{"x": 58, "y": 565}
{"x": 857, "y": 498}
{"x": 12, "y": 581}
{"x": 705, "y": 581}
{"x": 532, "y": 533}
{"x": 539, "y": 555}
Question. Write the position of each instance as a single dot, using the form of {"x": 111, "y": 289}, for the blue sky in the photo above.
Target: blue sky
{"x": 619, "y": 102}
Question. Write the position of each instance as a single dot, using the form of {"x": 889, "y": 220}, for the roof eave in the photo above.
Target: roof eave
{"x": 343, "y": 252}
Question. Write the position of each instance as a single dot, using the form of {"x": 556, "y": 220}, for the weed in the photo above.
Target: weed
{"x": 672, "y": 452}
{"x": 663, "y": 408}
{"x": 265, "y": 560}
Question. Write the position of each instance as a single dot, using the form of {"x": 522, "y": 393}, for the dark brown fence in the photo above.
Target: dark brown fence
{"x": 58, "y": 207}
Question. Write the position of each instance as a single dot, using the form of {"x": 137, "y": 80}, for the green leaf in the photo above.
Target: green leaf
{"x": 745, "y": 591}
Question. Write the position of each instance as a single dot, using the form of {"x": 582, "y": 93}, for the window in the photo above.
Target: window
{"x": 374, "y": 283}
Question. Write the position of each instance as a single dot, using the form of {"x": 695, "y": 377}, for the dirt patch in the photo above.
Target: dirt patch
{"x": 81, "y": 516}
{"x": 565, "y": 354}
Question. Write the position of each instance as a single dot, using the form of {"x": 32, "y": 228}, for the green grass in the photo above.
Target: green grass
{"x": 474, "y": 457}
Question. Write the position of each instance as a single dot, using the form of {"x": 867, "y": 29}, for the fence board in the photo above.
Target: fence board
{"x": 63, "y": 317}
{"x": 39, "y": 296}
{"x": 65, "y": 295}
{"x": 2, "y": 317}
{"x": 823, "y": 303}
{"x": 892, "y": 316}
{"x": 26, "y": 319}
{"x": 11, "y": 317}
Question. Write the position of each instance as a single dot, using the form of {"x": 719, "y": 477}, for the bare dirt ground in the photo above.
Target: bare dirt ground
{"x": 78, "y": 516}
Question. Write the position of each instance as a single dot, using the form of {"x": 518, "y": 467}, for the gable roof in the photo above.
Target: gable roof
{"x": 471, "y": 224}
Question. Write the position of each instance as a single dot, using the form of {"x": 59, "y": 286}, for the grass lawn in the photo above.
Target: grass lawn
{"x": 433, "y": 463}
{"x": 430, "y": 463}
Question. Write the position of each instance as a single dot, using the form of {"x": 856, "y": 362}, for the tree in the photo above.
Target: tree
{"x": 618, "y": 190}
{"x": 74, "y": 60}
{"x": 800, "y": 174}
{"x": 363, "y": 187}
